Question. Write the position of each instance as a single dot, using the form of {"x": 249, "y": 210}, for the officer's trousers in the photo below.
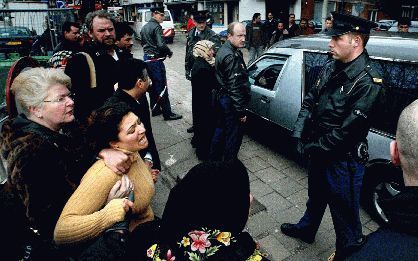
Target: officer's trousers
{"x": 337, "y": 184}
{"x": 229, "y": 132}
{"x": 156, "y": 70}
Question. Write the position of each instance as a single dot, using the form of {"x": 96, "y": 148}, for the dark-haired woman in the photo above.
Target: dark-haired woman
{"x": 89, "y": 213}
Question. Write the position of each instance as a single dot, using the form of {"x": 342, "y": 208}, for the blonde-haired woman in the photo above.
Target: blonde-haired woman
{"x": 44, "y": 162}
{"x": 203, "y": 82}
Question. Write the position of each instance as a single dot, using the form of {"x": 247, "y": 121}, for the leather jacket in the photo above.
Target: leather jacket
{"x": 152, "y": 40}
{"x": 192, "y": 39}
{"x": 232, "y": 76}
{"x": 337, "y": 111}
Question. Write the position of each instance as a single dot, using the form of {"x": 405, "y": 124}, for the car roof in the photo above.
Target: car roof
{"x": 381, "y": 44}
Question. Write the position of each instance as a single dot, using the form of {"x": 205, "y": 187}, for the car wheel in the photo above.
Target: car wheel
{"x": 381, "y": 180}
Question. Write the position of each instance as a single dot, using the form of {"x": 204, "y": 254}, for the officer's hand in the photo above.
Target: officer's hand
{"x": 170, "y": 55}
{"x": 299, "y": 149}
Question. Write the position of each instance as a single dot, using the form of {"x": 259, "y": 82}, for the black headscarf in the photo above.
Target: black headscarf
{"x": 213, "y": 195}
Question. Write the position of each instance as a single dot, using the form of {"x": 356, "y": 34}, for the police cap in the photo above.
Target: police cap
{"x": 345, "y": 23}
{"x": 157, "y": 10}
{"x": 200, "y": 16}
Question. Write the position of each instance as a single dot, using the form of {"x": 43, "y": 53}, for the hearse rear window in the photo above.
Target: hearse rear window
{"x": 400, "y": 80}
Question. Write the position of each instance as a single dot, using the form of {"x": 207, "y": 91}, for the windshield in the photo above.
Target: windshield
{"x": 14, "y": 31}
{"x": 148, "y": 16}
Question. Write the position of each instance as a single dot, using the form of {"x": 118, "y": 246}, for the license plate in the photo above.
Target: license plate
{"x": 14, "y": 43}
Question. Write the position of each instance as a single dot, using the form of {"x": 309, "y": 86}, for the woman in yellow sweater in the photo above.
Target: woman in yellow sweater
{"x": 89, "y": 213}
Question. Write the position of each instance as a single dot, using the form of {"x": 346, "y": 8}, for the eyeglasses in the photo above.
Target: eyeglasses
{"x": 62, "y": 99}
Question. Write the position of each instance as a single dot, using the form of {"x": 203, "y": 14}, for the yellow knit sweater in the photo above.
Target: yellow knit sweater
{"x": 85, "y": 216}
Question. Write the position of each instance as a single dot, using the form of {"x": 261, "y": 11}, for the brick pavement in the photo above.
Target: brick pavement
{"x": 277, "y": 182}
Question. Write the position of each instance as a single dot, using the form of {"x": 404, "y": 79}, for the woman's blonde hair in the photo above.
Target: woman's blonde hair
{"x": 31, "y": 86}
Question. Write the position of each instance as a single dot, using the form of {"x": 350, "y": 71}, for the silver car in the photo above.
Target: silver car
{"x": 281, "y": 77}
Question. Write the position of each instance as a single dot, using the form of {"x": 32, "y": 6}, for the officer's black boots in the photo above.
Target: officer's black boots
{"x": 292, "y": 230}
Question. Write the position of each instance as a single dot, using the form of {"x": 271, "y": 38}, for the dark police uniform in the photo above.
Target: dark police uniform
{"x": 155, "y": 48}
{"x": 332, "y": 127}
{"x": 195, "y": 36}
{"x": 234, "y": 95}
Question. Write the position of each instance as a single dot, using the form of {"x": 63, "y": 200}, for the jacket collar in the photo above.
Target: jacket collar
{"x": 401, "y": 211}
{"x": 355, "y": 67}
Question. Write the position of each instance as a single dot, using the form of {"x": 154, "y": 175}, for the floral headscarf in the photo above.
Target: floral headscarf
{"x": 202, "y": 48}
{"x": 205, "y": 244}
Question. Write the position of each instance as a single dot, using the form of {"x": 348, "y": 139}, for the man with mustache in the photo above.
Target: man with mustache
{"x": 93, "y": 75}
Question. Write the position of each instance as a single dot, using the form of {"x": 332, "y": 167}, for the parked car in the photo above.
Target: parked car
{"x": 282, "y": 76}
{"x": 144, "y": 16}
{"x": 15, "y": 39}
{"x": 412, "y": 29}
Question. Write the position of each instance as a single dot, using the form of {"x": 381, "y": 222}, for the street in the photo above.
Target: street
{"x": 278, "y": 183}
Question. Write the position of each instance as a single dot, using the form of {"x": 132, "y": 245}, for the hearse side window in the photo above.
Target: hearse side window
{"x": 400, "y": 83}
{"x": 313, "y": 65}
{"x": 400, "y": 89}
{"x": 264, "y": 73}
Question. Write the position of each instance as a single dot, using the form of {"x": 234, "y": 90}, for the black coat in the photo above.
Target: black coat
{"x": 203, "y": 82}
{"x": 232, "y": 77}
{"x": 88, "y": 98}
{"x": 399, "y": 239}
{"x": 336, "y": 113}
{"x": 141, "y": 109}
{"x": 152, "y": 40}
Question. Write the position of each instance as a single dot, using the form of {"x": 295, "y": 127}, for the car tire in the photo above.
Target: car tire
{"x": 381, "y": 180}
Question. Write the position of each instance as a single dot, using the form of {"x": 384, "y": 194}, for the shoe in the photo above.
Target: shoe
{"x": 173, "y": 117}
{"x": 292, "y": 230}
{"x": 190, "y": 130}
{"x": 156, "y": 113}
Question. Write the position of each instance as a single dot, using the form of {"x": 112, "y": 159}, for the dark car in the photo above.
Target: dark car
{"x": 15, "y": 39}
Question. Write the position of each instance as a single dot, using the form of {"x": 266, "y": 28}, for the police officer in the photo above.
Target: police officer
{"x": 155, "y": 51}
{"x": 200, "y": 32}
{"x": 234, "y": 95}
{"x": 331, "y": 130}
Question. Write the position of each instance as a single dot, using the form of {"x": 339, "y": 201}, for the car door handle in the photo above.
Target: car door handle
{"x": 264, "y": 99}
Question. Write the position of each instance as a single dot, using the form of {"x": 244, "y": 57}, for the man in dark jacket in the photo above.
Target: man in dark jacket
{"x": 70, "y": 38}
{"x": 293, "y": 29}
{"x": 133, "y": 83}
{"x": 398, "y": 240}
{"x": 269, "y": 26}
{"x": 331, "y": 128}
{"x": 93, "y": 77}
{"x": 200, "y": 32}
{"x": 234, "y": 95}
{"x": 255, "y": 38}
{"x": 155, "y": 51}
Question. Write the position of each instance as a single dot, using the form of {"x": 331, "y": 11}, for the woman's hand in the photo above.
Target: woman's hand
{"x": 154, "y": 174}
{"x": 121, "y": 189}
{"x": 116, "y": 160}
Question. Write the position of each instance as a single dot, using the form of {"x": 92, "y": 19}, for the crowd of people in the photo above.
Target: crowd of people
{"x": 82, "y": 159}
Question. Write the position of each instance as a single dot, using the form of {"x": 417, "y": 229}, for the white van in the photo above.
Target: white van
{"x": 144, "y": 16}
